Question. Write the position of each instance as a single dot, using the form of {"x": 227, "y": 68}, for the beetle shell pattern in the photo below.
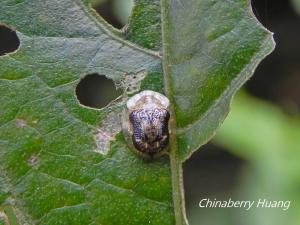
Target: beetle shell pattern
{"x": 148, "y": 117}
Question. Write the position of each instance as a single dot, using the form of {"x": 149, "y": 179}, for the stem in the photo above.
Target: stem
{"x": 176, "y": 164}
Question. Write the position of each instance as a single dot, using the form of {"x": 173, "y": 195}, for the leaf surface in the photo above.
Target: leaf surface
{"x": 51, "y": 169}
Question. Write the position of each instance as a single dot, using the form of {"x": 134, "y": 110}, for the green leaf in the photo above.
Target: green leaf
{"x": 57, "y": 167}
{"x": 145, "y": 24}
{"x": 223, "y": 46}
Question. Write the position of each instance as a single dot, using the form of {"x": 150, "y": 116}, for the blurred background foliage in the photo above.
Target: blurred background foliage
{"x": 256, "y": 153}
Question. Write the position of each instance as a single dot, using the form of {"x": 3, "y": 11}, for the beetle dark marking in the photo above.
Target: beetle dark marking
{"x": 145, "y": 123}
{"x": 150, "y": 130}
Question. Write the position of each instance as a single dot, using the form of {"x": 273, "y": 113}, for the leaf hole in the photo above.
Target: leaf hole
{"x": 96, "y": 91}
{"x": 9, "y": 41}
{"x": 115, "y": 12}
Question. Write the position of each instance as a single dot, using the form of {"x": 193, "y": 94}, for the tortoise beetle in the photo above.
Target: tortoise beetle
{"x": 145, "y": 123}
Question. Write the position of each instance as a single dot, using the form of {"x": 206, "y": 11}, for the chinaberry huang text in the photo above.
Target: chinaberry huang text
{"x": 246, "y": 204}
